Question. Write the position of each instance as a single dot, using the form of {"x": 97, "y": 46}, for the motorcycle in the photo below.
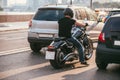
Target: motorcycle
{"x": 61, "y": 50}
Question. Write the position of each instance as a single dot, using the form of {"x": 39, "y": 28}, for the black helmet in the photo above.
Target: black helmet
{"x": 69, "y": 12}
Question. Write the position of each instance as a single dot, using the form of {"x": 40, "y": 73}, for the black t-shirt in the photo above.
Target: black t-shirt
{"x": 65, "y": 26}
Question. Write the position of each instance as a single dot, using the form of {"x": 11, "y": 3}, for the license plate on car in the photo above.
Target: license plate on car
{"x": 117, "y": 43}
{"x": 45, "y": 35}
{"x": 50, "y": 55}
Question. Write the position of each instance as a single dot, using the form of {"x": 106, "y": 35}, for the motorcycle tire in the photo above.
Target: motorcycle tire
{"x": 89, "y": 49}
{"x": 58, "y": 63}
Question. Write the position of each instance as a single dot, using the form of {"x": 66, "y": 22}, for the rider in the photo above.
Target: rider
{"x": 65, "y": 26}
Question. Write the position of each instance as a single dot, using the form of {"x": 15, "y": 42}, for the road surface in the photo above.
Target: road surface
{"x": 20, "y": 63}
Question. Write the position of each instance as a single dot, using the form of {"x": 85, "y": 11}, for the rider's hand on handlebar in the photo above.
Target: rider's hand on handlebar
{"x": 86, "y": 24}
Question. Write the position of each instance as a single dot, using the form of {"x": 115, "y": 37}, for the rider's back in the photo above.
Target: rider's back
{"x": 65, "y": 26}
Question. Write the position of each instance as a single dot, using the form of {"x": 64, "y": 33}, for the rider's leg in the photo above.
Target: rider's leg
{"x": 80, "y": 49}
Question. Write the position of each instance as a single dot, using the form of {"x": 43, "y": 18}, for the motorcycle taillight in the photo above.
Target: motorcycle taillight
{"x": 50, "y": 48}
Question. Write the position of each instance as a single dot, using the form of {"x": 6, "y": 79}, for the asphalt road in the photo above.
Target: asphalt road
{"x": 20, "y": 63}
{"x": 28, "y": 66}
{"x": 10, "y": 40}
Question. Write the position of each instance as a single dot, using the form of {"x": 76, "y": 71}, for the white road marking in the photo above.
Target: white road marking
{"x": 2, "y": 53}
{"x": 9, "y": 32}
{"x": 11, "y": 38}
{"x": 15, "y": 38}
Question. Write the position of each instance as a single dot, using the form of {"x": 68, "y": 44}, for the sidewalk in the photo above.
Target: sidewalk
{"x": 10, "y": 26}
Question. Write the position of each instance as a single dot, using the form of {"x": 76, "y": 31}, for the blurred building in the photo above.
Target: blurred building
{"x": 0, "y": 3}
{"x": 3, "y": 3}
{"x": 106, "y": 1}
{"x": 35, "y": 4}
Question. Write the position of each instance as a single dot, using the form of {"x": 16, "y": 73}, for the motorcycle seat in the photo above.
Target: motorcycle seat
{"x": 60, "y": 38}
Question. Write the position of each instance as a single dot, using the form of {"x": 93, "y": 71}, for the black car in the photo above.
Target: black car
{"x": 108, "y": 48}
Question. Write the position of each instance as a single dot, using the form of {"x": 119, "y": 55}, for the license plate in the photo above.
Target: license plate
{"x": 45, "y": 35}
{"x": 117, "y": 43}
{"x": 50, "y": 55}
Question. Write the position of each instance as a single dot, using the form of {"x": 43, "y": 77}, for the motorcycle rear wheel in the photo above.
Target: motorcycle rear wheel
{"x": 58, "y": 63}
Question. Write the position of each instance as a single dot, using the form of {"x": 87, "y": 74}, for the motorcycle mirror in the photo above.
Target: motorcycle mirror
{"x": 85, "y": 20}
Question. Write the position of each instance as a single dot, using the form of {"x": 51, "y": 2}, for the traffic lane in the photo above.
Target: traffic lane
{"x": 13, "y": 44}
{"x": 33, "y": 71}
{"x": 13, "y": 40}
{"x": 21, "y": 59}
{"x": 28, "y": 66}
{"x": 24, "y": 58}
{"x": 27, "y": 63}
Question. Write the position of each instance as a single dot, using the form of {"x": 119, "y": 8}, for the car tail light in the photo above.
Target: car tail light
{"x": 102, "y": 37}
{"x": 51, "y": 48}
{"x": 30, "y": 23}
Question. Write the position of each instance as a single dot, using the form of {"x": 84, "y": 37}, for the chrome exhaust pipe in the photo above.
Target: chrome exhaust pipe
{"x": 70, "y": 56}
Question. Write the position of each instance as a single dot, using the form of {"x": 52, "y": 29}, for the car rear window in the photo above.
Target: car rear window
{"x": 49, "y": 14}
{"x": 112, "y": 31}
{"x": 112, "y": 24}
{"x": 115, "y": 24}
{"x": 114, "y": 12}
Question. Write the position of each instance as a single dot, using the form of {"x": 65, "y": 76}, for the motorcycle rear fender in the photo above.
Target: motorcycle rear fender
{"x": 57, "y": 44}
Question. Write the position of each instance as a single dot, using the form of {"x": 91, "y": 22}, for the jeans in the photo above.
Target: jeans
{"x": 80, "y": 48}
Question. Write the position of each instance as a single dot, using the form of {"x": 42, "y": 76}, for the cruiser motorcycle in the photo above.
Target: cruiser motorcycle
{"x": 61, "y": 50}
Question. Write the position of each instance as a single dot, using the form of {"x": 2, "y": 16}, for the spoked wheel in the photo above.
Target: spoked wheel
{"x": 89, "y": 49}
{"x": 58, "y": 63}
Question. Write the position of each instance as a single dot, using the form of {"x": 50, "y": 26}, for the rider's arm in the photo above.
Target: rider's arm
{"x": 81, "y": 24}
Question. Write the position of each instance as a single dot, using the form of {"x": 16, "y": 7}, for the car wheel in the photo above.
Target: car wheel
{"x": 101, "y": 65}
{"x": 35, "y": 47}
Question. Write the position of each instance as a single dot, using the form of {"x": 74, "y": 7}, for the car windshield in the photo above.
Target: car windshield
{"x": 49, "y": 14}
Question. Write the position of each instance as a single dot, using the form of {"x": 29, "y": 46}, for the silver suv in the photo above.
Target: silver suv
{"x": 44, "y": 27}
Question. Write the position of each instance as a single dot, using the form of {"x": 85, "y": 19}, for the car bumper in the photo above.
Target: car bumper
{"x": 108, "y": 55}
{"x": 41, "y": 41}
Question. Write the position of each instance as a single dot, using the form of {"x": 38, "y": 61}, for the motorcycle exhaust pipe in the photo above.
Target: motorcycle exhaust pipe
{"x": 70, "y": 57}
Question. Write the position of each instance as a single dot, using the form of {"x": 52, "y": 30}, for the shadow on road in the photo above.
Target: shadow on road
{"x": 111, "y": 73}
{"x": 35, "y": 66}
